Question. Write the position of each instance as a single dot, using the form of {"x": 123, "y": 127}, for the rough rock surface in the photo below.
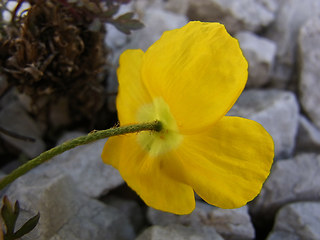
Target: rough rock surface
{"x": 176, "y": 6}
{"x": 277, "y": 111}
{"x": 237, "y": 15}
{"x": 309, "y": 87}
{"x": 156, "y": 22}
{"x": 65, "y": 212}
{"x": 308, "y": 138}
{"x": 129, "y": 208}
{"x": 260, "y": 53}
{"x": 232, "y": 224}
{"x": 297, "y": 221}
{"x": 271, "y": 5}
{"x": 292, "y": 14}
{"x": 84, "y": 165}
{"x": 12, "y": 116}
{"x": 290, "y": 181}
{"x": 178, "y": 232}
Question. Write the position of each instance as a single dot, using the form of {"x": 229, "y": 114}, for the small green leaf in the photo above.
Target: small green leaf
{"x": 126, "y": 16}
{"x": 121, "y": 28}
{"x": 127, "y": 26}
{"x": 7, "y": 203}
{"x": 8, "y": 215}
{"x": 28, "y": 226}
{"x": 125, "y": 23}
{"x": 134, "y": 24}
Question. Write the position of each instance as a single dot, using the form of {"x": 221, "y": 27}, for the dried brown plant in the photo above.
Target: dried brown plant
{"x": 56, "y": 51}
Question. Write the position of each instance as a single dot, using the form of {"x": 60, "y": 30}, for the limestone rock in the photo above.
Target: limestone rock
{"x": 291, "y": 16}
{"x": 260, "y": 53}
{"x": 309, "y": 86}
{"x": 175, "y": 6}
{"x": 14, "y": 118}
{"x": 178, "y": 232}
{"x": 129, "y": 208}
{"x": 236, "y": 15}
{"x": 291, "y": 180}
{"x": 156, "y": 22}
{"x": 297, "y": 221}
{"x": 84, "y": 165}
{"x": 65, "y": 213}
{"x": 231, "y": 224}
{"x": 141, "y": 6}
{"x": 308, "y": 138}
{"x": 271, "y": 5}
{"x": 277, "y": 111}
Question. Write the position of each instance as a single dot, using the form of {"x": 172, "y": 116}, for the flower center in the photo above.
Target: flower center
{"x": 156, "y": 143}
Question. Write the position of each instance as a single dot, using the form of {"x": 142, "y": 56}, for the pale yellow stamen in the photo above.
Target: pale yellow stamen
{"x": 169, "y": 138}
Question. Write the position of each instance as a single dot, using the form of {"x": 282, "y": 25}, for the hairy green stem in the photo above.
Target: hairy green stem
{"x": 91, "y": 137}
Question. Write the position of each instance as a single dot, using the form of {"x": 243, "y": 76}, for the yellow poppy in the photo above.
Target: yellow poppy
{"x": 188, "y": 80}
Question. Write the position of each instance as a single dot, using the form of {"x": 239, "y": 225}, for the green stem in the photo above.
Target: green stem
{"x": 91, "y": 137}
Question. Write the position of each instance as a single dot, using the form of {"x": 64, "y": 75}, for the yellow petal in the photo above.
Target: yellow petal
{"x": 227, "y": 164}
{"x": 144, "y": 174}
{"x": 199, "y": 71}
{"x": 131, "y": 93}
{"x": 111, "y": 151}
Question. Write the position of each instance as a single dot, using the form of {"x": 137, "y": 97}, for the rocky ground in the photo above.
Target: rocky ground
{"x": 81, "y": 198}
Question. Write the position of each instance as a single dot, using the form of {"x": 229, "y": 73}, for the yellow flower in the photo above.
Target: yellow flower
{"x": 188, "y": 80}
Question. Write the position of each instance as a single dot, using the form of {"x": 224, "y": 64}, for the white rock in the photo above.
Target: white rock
{"x": 65, "y": 213}
{"x": 176, "y": 6}
{"x": 277, "y": 111}
{"x": 309, "y": 87}
{"x": 84, "y": 165}
{"x": 114, "y": 38}
{"x": 291, "y": 16}
{"x": 271, "y": 5}
{"x": 291, "y": 180}
{"x": 142, "y": 6}
{"x": 232, "y": 224}
{"x": 260, "y": 53}
{"x": 178, "y": 232}
{"x": 237, "y": 15}
{"x": 129, "y": 208}
{"x": 156, "y": 22}
{"x": 308, "y": 137}
{"x": 297, "y": 221}
{"x": 14, "y": 118}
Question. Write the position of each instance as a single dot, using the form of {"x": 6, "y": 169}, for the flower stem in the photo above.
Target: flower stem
{"x": 91, "y": 137}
